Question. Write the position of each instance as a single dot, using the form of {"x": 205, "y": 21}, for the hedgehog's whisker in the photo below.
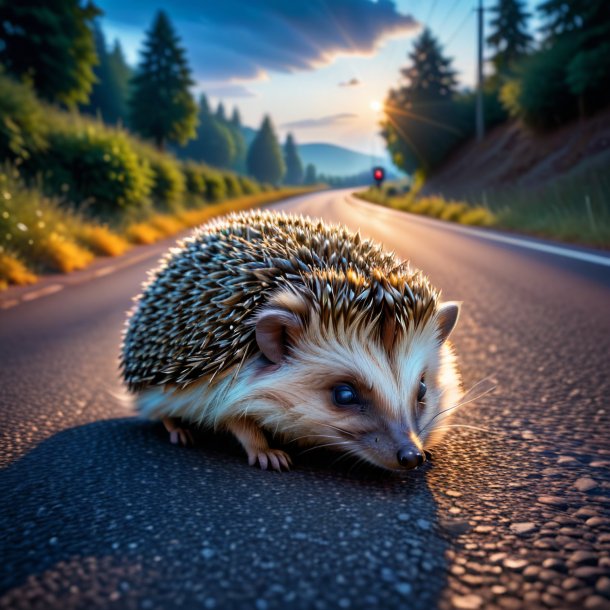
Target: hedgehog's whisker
{"x": 298, "y": 438}
{"x": 466, "y": 399}
{"x": 325, "y": 445}
{"x": 469, "y": 427}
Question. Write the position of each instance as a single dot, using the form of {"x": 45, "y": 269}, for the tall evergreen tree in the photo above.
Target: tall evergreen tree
{"x": 420, "y": 126}
{"x": 509, "y": 38}
{"x": 310, "y": 174}
{"x": 51, "y": 43}
{"x": 265, "y": 160}
{"x": 220, "y": 113}
{"x": 430, "y": 77}
{"x": 110, "y": 93}
{"x": 236, "y": 118}
{"x": 213, "y": 142}
{"x": 162, "y": 107}
{"x": 294, "y": 165}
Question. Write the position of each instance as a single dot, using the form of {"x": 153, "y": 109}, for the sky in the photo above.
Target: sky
{"x": 318, "y": 67}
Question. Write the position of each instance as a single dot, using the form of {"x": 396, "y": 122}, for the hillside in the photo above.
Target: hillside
{"x": 511, "y": 156}
{"x": 330, "y": 159}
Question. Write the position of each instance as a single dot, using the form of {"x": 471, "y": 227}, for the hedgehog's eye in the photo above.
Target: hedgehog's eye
{"x": 421, "y": 392}
{"x": 344, "y": 395}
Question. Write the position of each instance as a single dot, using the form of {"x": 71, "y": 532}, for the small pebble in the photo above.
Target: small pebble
{"x": 522, "y": 528}
{"x": 585, "y": 484}
{"x": 583, "y": 558}
{"x": 553, "y": 501}
{"x": 514, "y": 563}
{"x": 596, "y": 602}
{"x": 467, "y": 602}
{"x": 603, "y": 586}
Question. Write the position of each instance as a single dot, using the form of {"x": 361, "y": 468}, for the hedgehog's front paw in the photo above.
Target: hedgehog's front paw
{"x": 177, "y": 434}
{"x": 270, "y": 458}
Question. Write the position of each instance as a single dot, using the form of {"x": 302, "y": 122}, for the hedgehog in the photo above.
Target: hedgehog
{"x": 284, "y": 329}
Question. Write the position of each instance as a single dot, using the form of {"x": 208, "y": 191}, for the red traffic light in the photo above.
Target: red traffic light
{"x": 378, "y": 174}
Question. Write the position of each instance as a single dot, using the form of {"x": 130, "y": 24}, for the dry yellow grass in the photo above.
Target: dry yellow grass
{"x": 102, "y": 241}
{"x": 13, "y": 271}
{"x": 142, "y": 233}
{"x": 66, "y": 255}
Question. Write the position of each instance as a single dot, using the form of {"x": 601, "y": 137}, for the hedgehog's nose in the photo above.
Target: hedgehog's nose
{"x": 409, "y": 458}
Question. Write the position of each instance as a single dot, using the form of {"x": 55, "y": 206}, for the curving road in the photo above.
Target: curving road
{"x": 98, "y": 510}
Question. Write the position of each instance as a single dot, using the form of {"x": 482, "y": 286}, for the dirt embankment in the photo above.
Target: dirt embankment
{"x": 511, "y": 156}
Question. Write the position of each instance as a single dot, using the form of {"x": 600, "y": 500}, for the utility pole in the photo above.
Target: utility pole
{"x": 479, "y": 107}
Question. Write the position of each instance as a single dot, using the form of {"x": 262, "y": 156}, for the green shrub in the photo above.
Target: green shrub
{"x": 194, "y": 176}
{"x": 92, "y": 166}
{"x": 233, "y": 186}
{"x": 22, "y": 126}
{"x": 215, "y": 187}
{"x": 248, "y": 187}
{"x": 168, "y": 181}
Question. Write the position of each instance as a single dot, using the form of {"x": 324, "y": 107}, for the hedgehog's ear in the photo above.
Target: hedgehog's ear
{"x": 447, "y": 317}
{"x": 275, "y": 330}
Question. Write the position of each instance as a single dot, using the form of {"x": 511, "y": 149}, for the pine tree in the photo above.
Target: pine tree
{"x": 294, "y": 165}
{"x": 421, "y": 116}
{"x": 213, "y": 142}
{"x": 582, "y": 29}
{"x": 310, "y": 174}
{"x": 236, "y": 118}
{"x": 220, "y": 113}
{"x": 110, "y": 93}
{"x": 509, "y": 38}
{"x": 430, "y": 77}
{"x": 265, "y": 160}
{"x": 52, "y": 44}
{"x": 162, "y": 107}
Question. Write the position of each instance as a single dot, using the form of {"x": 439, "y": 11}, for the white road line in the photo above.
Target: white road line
{"x": 596, "y": 259}
{"x": 7, "y": 304}
{"x": 105, "y": 271}
{"x": 43, "y": 292}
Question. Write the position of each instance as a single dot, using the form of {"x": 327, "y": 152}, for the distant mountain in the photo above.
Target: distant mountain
{"x": 333, "y": 160}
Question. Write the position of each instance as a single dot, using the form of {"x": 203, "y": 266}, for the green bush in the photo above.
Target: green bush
{"x": 22, "y": 126}
{"x": 194, "y": 176}
{"x": 248, "y": 187}
{"x": 91, "y": 165}
{"x": 168, "y": 180}
{"x": 540, "y": 95}
{"x": 215, "y": 187}
{"x": 233, "y": 186}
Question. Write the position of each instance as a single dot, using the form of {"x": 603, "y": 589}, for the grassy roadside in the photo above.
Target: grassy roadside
{"x": 38, "y": 234}
{"x": 574, "y": 209}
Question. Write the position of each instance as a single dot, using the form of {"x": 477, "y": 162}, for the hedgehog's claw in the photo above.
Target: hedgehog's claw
{"x": 270, "y": 459}
{"x": 178, "y": 435}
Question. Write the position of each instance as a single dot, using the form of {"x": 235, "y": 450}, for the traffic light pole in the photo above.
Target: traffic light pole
{"x": 479, "y": 107}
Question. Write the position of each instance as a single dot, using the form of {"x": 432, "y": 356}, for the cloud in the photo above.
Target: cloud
{"x": 244, "y": 39}
{"x": 228, "y": 90}
{"x": 352, "y": 82}
{"x": 324, "y": 121}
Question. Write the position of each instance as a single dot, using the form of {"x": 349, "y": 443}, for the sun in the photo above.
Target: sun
{"x": 376, "y": 106}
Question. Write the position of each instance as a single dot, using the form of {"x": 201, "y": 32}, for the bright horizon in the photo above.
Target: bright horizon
{"x": 331, "y": 95}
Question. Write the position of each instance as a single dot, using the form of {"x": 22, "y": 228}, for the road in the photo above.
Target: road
{"x": 98, "y": 510}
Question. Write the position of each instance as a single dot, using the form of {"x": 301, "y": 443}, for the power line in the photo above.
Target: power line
{"x": 459, "y": 27}
{"x": 432, "y": 7}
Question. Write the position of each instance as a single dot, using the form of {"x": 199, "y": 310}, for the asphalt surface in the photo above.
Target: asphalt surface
{"x": 98, "y": 510}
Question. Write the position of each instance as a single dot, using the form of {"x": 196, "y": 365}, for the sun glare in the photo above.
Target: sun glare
{"x": 375, "y": 106}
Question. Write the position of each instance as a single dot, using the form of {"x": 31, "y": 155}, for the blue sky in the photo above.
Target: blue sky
{"x": 314, "y": 65}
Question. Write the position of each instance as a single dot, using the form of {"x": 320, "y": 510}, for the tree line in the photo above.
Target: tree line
{"x": 544, "y": 84}
{"x": 60, "y": 50}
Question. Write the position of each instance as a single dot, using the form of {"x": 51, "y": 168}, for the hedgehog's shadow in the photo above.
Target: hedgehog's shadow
{"x": 117, "y": 490}
{"x": 313, "y": 459}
